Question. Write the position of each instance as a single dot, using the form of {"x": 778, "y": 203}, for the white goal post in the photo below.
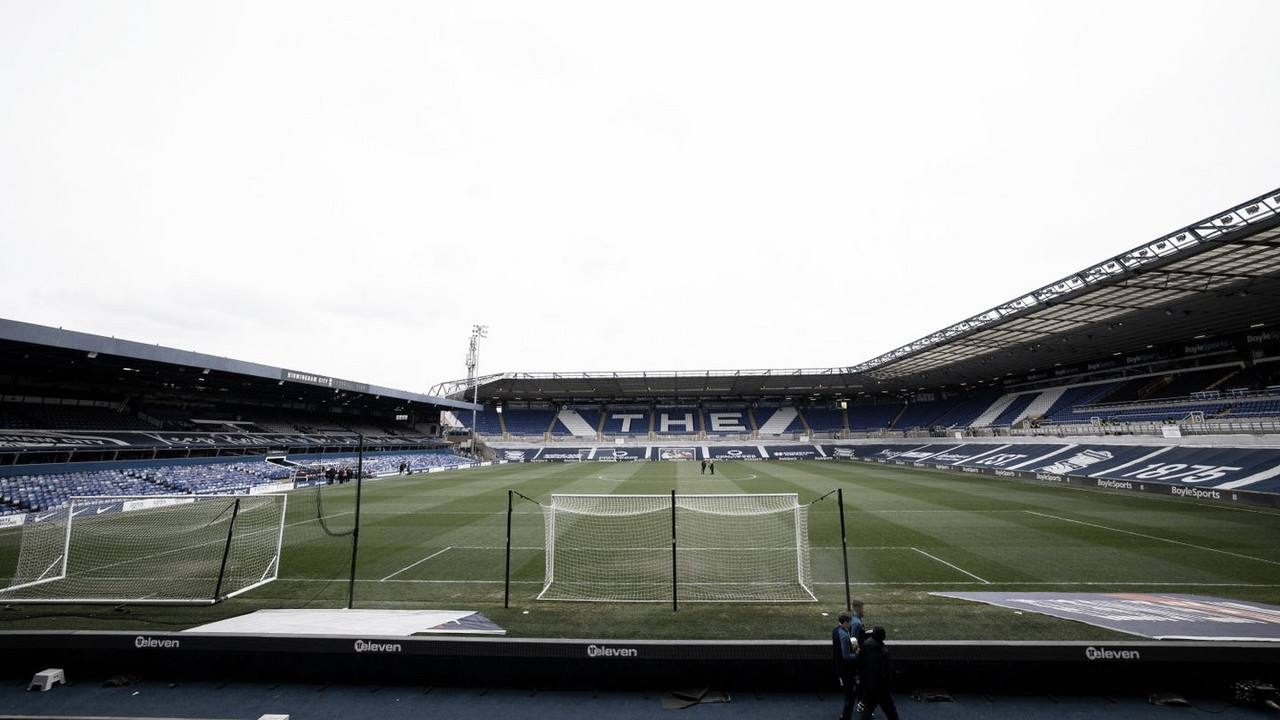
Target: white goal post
{"x": 148, "y": 549}
{"x": 694, "y": 548}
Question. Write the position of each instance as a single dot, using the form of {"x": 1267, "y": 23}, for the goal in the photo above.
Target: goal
{"x": 694, "y": 548}
{"x": 188, "y": 549}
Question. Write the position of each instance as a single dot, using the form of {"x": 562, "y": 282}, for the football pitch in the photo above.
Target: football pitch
{"x": 439, "y": 541}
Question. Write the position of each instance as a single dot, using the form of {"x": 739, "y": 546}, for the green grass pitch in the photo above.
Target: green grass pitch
{"x": 439, "y": 541}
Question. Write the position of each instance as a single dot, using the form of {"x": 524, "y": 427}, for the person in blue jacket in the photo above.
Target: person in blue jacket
{"x": 844, "y": 653}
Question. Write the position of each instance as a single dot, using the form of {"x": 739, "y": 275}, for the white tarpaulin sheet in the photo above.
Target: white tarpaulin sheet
{"x": 337, "y": 623}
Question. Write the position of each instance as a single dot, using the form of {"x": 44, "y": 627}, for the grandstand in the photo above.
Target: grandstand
{"x": 1160, "y": 360}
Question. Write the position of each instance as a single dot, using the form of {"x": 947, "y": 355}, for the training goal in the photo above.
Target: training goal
{"x": 188, "y": 549}
{"x": 664, "y": 548}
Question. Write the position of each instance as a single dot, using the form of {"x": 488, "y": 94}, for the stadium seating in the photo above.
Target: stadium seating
{"x": 774, "y": 420}
{"x": 52, "y": 416}
{"x": 1198, "y": 397}
{"x": 376, "y": 465}
{"x": 514, "y": 421}
{"x": 725, "y": 420}
{"x": 823, "y": 420}
{"x": 873, "y": 418}
{"x": 950, "y": 412}
{"x": 587, "y": 423}
{"x": 39, "y": 492}
{"x": 1015, "y": 410}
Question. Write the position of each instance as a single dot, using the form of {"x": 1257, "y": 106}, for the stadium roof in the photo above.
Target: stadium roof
{"x": 1216, "y": 278}
{"x": 50, "y": 362}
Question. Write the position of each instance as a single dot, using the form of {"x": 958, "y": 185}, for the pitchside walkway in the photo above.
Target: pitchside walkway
{"x": 247, "y": 701}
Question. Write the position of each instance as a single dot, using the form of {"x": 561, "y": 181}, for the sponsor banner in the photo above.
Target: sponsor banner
{"x": 1161, "y": 617}
{"x": 7, "y": 521}
{"x": 885, "y": 453}
{"x": 1015, "y": 457}
{"x": 1072, "y": 463}
{"x": 606, "y": 651}
{"x": 147, "y": 642}
{"x": 733, "y": 452}
{"x": 1093, "y": 460}
{"x": 47, "y": 515}
{"x": 841, "y": 452}
{"x": 149, "y": 503}
{"x": 100, "y": 508}
{"x": 562, "y": 454}
{"x": 1082, "y": 463}
{"x": 792, "y": 452}
{"x": 61, "y": 440}
{"x": 1229, "y": 468}
{"x": 1139, "y": 465}
{"x": 677, "y": 453}
{"x": 270, "y": 489}
{"x": 957, "y": 454}
{"x": 619, "y": 454}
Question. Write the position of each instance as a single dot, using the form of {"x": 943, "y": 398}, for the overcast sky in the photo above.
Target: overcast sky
{"x": 347, "y": 188}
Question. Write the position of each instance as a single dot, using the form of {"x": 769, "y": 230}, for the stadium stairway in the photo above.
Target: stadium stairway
{"x": 989, "y": 415}
{"x": 779, "y": 421}
{"x": 578, "y": 426}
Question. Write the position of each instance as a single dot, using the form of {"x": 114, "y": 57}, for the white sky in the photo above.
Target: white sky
{"x": 346, "y": 188}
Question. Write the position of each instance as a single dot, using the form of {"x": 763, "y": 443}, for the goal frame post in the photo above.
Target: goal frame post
{"x": 219, "y": 557}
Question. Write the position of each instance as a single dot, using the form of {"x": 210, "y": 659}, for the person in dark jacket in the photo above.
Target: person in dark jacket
{"x": 875, "y": 673}
{"x": 844, "y": 652}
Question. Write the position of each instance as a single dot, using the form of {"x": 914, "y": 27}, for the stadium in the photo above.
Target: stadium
{"x": 1076, "y": 489}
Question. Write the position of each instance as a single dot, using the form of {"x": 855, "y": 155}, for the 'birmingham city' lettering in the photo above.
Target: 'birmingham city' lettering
{"x": 366, "y": 646}
{"x": 147, "y": 642}
{"x": 1093, "y": 653}
{"x": 604, "y": 651}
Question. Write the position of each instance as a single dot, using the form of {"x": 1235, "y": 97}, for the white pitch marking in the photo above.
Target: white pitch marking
{"x": 416, "y": 564}
{"x": 953, "y": 567}
{"x": 1156, "y": 537}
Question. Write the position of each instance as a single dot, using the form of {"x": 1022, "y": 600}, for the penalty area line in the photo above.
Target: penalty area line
{"x": 953, "y": 567}
{"x": 409, "y": 567}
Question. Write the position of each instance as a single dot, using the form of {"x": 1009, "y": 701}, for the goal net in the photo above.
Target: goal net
{"x": 697, "y": 548}
{"x": 189, "y": 549}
